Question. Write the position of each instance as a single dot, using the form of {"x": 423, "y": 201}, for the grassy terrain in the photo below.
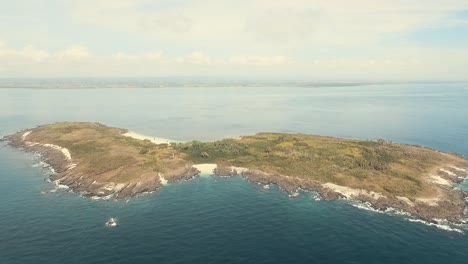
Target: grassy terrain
{"x": 101, "y": 150}
{"x": 379, "y": 166}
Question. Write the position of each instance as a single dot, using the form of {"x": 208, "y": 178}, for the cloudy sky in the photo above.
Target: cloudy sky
{"x": 287, "y": 39}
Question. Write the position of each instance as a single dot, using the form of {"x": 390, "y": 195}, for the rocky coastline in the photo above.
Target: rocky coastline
{"x": 450, "y": 206}
{"x": 86, "y": 185}
{"x": 453, "y": 210}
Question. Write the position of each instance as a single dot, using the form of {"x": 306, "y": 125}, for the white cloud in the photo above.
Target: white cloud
{"x": 28, "y": 53}
{"x": 305, "y": 38}
{"x": 260, "y": 23}
{"x": 195, "y": 58}
{"x": 78, "y": 61}
{"x": 397, "y": 64}
{"x": 153, "y": 56}
{"x": 259, "y": 60}
{"x": 172, "y": 23}
{"x": 74, "y": 53}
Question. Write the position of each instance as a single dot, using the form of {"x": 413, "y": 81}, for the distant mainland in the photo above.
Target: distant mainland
{"x": 100, "y": 161}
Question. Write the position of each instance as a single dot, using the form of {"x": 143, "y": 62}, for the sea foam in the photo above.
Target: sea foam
{"x": 445, "y": 227}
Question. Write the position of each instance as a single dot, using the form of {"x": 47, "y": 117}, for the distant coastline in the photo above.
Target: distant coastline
{"x": 195, "y": 82}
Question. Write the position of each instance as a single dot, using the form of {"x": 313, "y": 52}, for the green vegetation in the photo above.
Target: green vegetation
{"x": 104, "y": 151}
{"x": 379, "y": 166}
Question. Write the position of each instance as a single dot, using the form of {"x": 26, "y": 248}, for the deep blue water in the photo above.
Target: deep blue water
{"x": 225, "y": 220}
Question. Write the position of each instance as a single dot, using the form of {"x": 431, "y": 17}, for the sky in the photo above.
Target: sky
{"x": 266, "y": 39}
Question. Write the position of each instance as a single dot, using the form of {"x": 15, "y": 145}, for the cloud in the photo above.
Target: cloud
{"x": 260, "y": 60}
{"x": 410, "y": 63}
{"x": 310, "y": 39}
{"x": 256, "y": 23}
{"x": 283, "y": 25}
{"x": 28, "y": 53}
{"x": 74, "y": 53}
{"x": 172, "y": 23}
{"x": 33, "y": 54}
{"x": 79, "y": 61}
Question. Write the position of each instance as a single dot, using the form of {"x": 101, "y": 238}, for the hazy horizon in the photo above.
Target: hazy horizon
{"x": 195, "y": 82}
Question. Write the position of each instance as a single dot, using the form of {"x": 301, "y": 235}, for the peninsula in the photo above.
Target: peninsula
{"x": 96, "y": 160}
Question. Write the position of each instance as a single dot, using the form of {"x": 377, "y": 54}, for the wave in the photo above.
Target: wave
{"x": 103, "y": 198}
{"x": 57, "y": 186}
{"x": 441, "y": 223}
{"x": 60, "y": 186}
{"x": 443, "y": 226}
{"x": 316, "y": 196}
{"x": 363, "y": 205}
{"x": 293, "y": 195}
{"x": 47, "y": 169}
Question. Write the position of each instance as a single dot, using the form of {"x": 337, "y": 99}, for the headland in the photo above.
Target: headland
{"x": 101, "y": 161}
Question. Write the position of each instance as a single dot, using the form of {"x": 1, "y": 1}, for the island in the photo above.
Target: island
{"x": 100, "y": 161}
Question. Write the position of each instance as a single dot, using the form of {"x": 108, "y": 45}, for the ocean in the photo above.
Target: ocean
{"x": 223, "y": 220}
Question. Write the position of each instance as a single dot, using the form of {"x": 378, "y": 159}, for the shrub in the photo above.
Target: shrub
{"x": 143, "y": 151}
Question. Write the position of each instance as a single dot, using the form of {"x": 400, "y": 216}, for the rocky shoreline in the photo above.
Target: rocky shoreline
{"x": 86, "y": 185}
{"x": 452, "y": 208}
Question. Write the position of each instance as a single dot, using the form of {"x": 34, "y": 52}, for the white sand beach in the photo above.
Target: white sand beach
{"x": 205, "y": 168}
{"x": 155, "y": 140}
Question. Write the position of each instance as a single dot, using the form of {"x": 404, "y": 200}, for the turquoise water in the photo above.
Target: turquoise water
{"x": 224, "y": 220}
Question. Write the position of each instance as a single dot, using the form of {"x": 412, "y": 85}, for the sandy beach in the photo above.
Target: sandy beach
{"x": 155, "y": 140}
{"x": 205, "y": 168}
